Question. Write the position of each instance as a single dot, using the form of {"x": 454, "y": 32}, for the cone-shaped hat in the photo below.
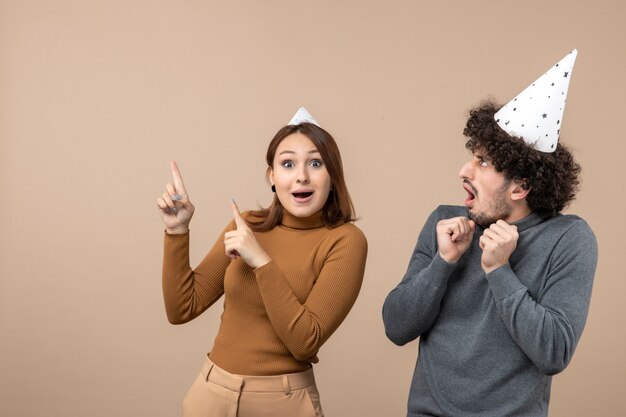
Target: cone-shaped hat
{"x": 536, "y": 114}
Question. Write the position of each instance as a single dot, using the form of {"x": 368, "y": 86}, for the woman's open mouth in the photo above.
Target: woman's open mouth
{"x": 302, "y": 196}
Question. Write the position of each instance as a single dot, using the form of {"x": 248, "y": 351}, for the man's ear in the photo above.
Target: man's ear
{"x": 520, "y": 190}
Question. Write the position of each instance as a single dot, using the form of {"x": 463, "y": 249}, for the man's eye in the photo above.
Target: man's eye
{"x": 483, "y": 163}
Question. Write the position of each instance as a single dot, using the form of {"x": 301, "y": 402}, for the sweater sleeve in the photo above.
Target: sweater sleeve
{"x": 189, "y": 292}
{"x": 412, "y": 307}
{"x": 303, "y": 328}
{"x": 548, "y": 328}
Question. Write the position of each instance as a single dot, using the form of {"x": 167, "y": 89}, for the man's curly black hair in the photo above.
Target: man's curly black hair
{"x": 551, "y": 177}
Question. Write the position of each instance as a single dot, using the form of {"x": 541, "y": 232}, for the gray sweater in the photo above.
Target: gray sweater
{"x": 490, "y": 343}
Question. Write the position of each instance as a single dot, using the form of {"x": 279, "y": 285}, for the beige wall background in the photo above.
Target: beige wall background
{"x": 97, "y": 96}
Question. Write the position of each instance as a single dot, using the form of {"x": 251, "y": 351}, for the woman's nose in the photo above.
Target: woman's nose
{"x": 303, "y": 177}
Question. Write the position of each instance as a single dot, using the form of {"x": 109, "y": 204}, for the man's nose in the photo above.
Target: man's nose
{"x": 466, "y": 170}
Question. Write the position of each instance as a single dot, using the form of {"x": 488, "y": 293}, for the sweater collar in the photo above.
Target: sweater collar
{"x": 314, "y": 221}
{"x": 529, "y": 221}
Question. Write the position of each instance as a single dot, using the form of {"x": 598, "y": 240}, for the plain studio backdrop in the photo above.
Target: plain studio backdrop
{"x": 96, "y": 97}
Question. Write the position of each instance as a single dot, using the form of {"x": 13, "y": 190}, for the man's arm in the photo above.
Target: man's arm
{"x": 413, "y": 306}
{"x": 548, "y": 328}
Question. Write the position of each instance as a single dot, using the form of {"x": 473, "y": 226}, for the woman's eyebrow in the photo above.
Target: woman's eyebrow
{"x": 293, "y": 152}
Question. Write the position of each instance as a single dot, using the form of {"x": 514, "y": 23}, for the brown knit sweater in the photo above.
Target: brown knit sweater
{"x": 276, "y": 317}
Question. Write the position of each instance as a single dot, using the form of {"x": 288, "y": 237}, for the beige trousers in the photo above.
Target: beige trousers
{"x": 217, "y": 393}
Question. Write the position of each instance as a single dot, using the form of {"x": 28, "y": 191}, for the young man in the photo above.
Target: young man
{"x": 498, "y": 290}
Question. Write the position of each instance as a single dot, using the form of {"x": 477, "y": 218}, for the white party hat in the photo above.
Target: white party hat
{"x": 536, "y": 114}
{"x": 303, "y": 116}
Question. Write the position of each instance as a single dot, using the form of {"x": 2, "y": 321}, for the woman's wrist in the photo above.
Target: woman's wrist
{"x": 262, "y": 261}
{"x": 179, "y": 230}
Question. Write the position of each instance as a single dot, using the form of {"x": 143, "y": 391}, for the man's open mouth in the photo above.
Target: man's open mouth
{"x": 471, "y": 193}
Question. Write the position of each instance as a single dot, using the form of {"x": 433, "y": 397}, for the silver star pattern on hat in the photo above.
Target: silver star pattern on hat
{"x": 303, "y": 116}
{"x": 536, "y": 114}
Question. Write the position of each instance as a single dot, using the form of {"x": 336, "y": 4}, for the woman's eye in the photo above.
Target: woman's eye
{"x": 316, "y": 163}
{"x": 287, "y": 164}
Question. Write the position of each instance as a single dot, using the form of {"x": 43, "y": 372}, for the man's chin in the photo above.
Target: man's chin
{"x": 480, "y": 219}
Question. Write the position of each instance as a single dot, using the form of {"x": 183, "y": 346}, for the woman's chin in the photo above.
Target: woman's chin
{"x": 303, "y": 210}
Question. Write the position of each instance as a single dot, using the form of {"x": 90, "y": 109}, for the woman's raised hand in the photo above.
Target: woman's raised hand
{"x": 174, "y": 205}
{"x": 241, "y": 242}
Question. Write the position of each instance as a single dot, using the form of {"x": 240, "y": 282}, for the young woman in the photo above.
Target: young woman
{"x": 289, "y": 274}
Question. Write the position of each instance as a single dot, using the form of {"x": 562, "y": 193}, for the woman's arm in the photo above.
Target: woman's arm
{"x": 188, "y": 292}
{"x": 305, "y": 327}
